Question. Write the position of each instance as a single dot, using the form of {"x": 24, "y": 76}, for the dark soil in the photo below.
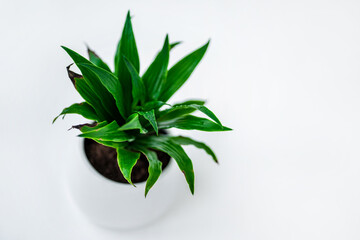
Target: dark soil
{"x": 104, "y": 160}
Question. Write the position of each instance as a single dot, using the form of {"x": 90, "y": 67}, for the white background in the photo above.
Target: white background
{"x": 283, "y": 74}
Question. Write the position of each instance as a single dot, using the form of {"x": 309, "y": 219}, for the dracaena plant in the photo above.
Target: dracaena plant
{"x": 129, "y": 110}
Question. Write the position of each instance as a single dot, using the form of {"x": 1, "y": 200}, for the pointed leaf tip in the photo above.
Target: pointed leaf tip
{"x": 227, "y": 128}
{"x": 174, "y": 44}
{"x": 72, "y": 75}
{"x": 181, "y": 71}
{"x": 95, "y": 59}
{"x": 126, "y": 161}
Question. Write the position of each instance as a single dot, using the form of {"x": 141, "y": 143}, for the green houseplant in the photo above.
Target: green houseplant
{"x": 130, "y": 112}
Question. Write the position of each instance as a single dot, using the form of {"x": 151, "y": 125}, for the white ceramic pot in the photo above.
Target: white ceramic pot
{"x": 118, "y": 205}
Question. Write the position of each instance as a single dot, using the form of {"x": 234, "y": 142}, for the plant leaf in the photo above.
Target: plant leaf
{"x": 184, "y": 109}
{"x": 165, "y": 145}
{"x": 188, "y": 141}
{"x": 155, "y": 75}
{"x": 109, "y": 132}
{"x": 126, "y": 161}
{"x": 180, "y": 110}
{"x": 84, "y": 109}
{"x": 113, "y": 144}
{"x": 206, "y": 111}
{"x": 77, "y": 58}
{"x": 190, "y": 122}
{"x": 72, "y": 75}
{"x": 189, "y": 102}
{"x": 126, "y": 47}
{"x": 150, "y": 116}
{"x": 181, "y": 71}
{"x": 95, "y": 59}
{"x": 138, "y": 89}
{"x": 83, "y": 88}
{"x": 106, "y": 99}
{"x": 133, "y": 122}
{"x": 90, "y": 127}
{"x": 84, "y": 128}
{"x": 90, "y": 97}
{"x": 174, "y": 44}
{"x": 151, "y": 105}
{"x": 111, "y": 83}
{"x": 175, "y": 111}
{"x": 155, "y": 168}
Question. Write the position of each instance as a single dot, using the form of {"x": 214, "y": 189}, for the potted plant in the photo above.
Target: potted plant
{"x": 127, "y": 142}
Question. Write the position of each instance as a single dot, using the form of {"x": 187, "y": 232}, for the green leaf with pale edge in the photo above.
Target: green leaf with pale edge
{"x": 109, "y": 132}
{"x": 181, "y": 110}
{"x": 151, "y": 105}
{"x": 126, "y": 47}
{"x": 205, "y": 111}
{"x": 87, "y": 128}
{"x": 84, "y": 109}
{"x": 90, "y": 97}
{"x": 188, "y": 141}
{"x": 164, "y": 144}
{"x": 174, "y": 112}
{"x": 181, "y": 71}
{"x": 155, "y": 75}
{"x": 150, "y": 116}
{"x": 113, "y": 144}
{"x": 107, "y": 101}
{"x": 126, "y": 161}
{"x": 190, "y": 122}
{"x": 155, "y": 168}
{"x": 95, "y": 59}
{"x": 133, "y": 122}
{"x": 192, "y": 101}
{"x": 138, "y": 89}
{"x": 112, "y": 85}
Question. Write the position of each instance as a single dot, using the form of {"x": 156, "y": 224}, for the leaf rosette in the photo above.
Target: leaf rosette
{"x": 130, "y": 110}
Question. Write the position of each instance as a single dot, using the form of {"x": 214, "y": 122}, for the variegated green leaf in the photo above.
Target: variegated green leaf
{"x": 126, "y": 47}
{"x": 150, "y": 116}
{"x": 91, "y": 127}
{"x": 106, "y": 100}
{"x": 138, "y": 89}
{"x": 165, "y": 145}
{"x": 133, "y": 122}
{"x": 190, "y": 122}
{"x": 111, "y": 83}
{"x": 151, "y": 105}
{"x": 109, "y": 132}
{"x": 181, "y": 110}
{"x": 155, "y": 75}
{"x": 90, "y": 97}
{"x": 95, "y": 59}
{"x": 188, "y": 141}
{"x": 189, "y": 102}
{"x": 180, "y": 72}
{"x": 126, "y": 161}
{"x": 84, "y": 109}
{"x": 155, "y": 168}
{"x": 113, "y": 144}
